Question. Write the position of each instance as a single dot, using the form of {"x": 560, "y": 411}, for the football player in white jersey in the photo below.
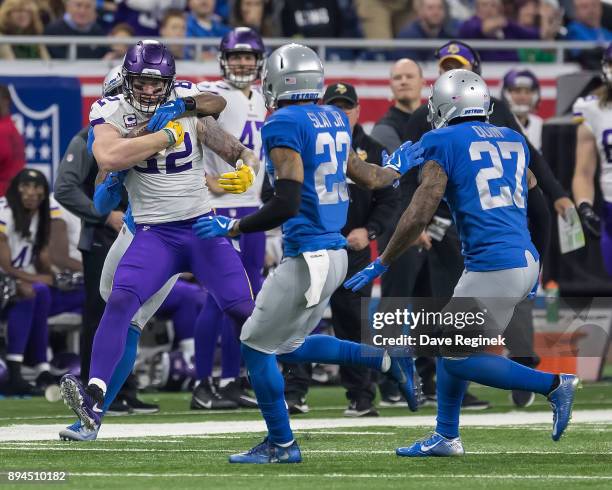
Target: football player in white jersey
{"x": 241, "y": 59}
{"x": 24, "y": 256}
{"x": 167, "y": 193}
{"x": 593, "y": 141}
{"x": 521, "y": 90}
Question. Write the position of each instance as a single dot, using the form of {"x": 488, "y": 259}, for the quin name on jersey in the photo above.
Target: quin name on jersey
{"x": 168, "y": 186}
{"x": 242, "y": 117}
{"x": 598, "y": 119}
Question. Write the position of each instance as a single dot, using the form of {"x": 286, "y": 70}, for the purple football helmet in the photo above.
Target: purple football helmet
{"x": 516, "y": 79}
{"x": 606, "y": 65}
{"x": 241, "y": 40}
{"x": 148, "y": 61}
{"x": 173, "y": 371}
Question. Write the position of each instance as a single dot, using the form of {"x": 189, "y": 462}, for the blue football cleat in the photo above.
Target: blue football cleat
{"x": 404, "y": 372}
{"x": 268, "y": 452}
{"x": 561, "y": 400}
{"x": 434, "y": 445}
{"x": 76, "y": 432}
{"x": 81, "y": 402}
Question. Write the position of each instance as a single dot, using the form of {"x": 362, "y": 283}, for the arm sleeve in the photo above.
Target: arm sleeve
{"x": 538, "y": 165}
{"x": 72, "y": 173}
{"x": 285, "y": 204}
{"x": 386, "y": 136}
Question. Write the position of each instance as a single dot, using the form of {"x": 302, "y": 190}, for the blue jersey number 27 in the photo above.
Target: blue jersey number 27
{"x": 331, "y": 187}
{"x": 506, "y": 150}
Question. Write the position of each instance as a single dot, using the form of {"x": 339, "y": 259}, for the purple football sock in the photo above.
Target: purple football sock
{"x": 109, "y": 342}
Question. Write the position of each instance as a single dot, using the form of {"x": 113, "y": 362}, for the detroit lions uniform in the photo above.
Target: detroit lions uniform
{"x": 167, "y": 194}
{"x": 487, "y": 194}
{"x": 599, "y": 120}
{"x": 315, "y": 262}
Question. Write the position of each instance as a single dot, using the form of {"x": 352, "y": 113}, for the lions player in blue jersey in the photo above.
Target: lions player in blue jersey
{"x": 308, "y": 150}
{"x": 481, "y": 171}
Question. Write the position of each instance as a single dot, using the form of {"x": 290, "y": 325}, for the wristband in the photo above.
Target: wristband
{"x": 170, "y": 134}
{"x": 190, "y": 104}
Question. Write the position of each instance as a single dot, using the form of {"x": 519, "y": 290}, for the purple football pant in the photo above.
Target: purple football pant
{"x": 212, "y": 323}
{"x": 157, "y": 252}
{"x": 606, "y": 236}
{"x": 27, "y": 327}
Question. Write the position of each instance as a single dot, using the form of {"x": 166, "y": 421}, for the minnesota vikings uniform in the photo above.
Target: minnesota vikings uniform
{"x": 599, "y": 121}
{"x": 242, "y": 117}
{"x": 167, "y": 193}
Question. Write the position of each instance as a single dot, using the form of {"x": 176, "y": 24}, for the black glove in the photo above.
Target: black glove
{"x": 590, "y": 220}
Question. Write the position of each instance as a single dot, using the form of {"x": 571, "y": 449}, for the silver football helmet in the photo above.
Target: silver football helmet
{"x": 113, "y": 82}
{"x": 458, "y": 93}
{"x": 292, "y": 72}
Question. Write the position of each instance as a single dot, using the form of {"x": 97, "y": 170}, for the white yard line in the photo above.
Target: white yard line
{"x": 110, "y": 430}
{"x": 408, "y": 476}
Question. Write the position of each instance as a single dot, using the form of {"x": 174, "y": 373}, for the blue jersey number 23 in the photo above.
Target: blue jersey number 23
{"x": 326, "y": 172}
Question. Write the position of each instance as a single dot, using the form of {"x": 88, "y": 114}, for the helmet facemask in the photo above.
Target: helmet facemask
{"x": 133, "y": 85}
{"x": 248, "y": 76}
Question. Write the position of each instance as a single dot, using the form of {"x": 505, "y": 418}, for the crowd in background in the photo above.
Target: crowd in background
{"x": 368, "y": 19}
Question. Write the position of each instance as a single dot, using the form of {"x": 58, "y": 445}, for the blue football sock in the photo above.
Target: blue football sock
{"x": 500, "y": 372}
{"x": 330, "y": 350}
{"x": 124, "y": 367}
{"x": 449, "y": 392}
{"x": 269, "y": 387}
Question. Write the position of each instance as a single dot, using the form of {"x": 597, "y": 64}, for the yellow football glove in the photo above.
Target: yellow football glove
{"x": 174, "y": 130}
{"x": 239, "y": 181}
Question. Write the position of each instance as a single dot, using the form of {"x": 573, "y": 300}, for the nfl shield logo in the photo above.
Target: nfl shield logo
{"x": 40, "y": 132}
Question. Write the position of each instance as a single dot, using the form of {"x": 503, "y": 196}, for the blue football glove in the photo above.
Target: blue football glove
{"x": 404, "y": 158}
{"x": 107, "y": 195}
{"x": 366, "y": 275}
{"x": 213, "y": 226}
{"x": 166, "y": 113}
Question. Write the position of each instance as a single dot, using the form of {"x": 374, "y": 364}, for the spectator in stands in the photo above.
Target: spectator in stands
{"x": 460, "y": 10}
{"x": 521, "y": 91}
{"x": 256, "y": 14}
{"x": 203, "y": 22}
{"x": 586, "y": 25}
{"x": 24, "y": 256}
{"x": 79, "y": 20}
{"x": 117, "y": 51}
{"x": 489, "y": 22}
{"x": 21, "y": 18}
{"x": 321, "y": 18}
{"x": 173, "y": 24}
{"x": 12, "y": 153}
{"x": 545, "y": 16}
{"x": 429, "y": 24}
{"x": 50, "y": 10}
{"x": 383, "y": 19}
{"x": 144, "y": 15}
